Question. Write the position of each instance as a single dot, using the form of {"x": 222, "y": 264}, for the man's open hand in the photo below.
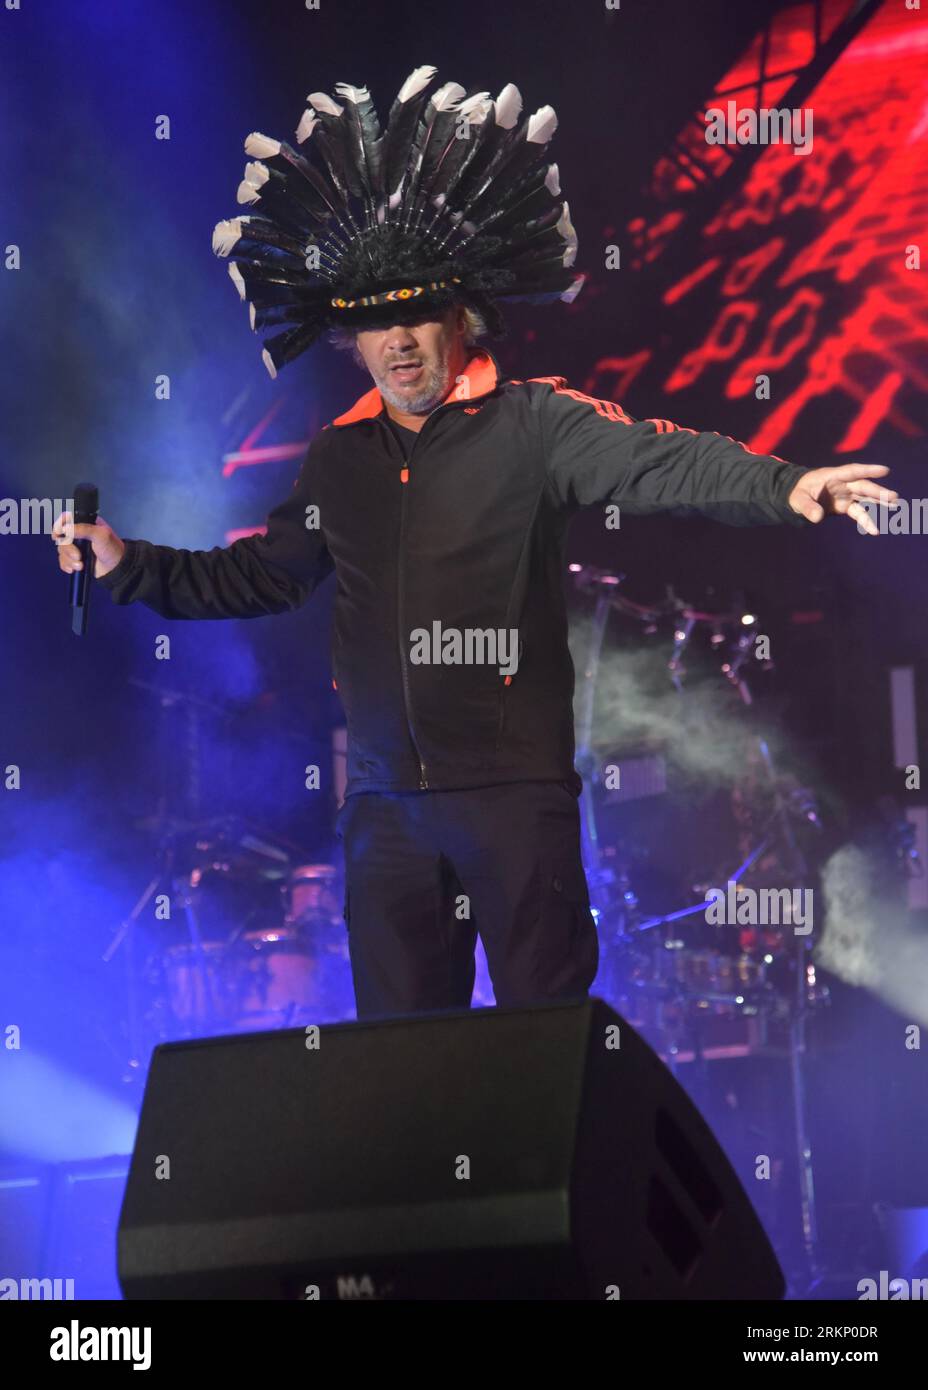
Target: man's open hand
{"x": 840, "y": 491}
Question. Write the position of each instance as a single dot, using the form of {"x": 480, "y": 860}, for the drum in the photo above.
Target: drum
{"x": 278, "y": 982}
{"x": 198, "y": 988}
{"x": 313, "y": 909}
{"x": 712, "y": 977}
{"x": 274, "y": 978}
{"x": 311, "y": 895}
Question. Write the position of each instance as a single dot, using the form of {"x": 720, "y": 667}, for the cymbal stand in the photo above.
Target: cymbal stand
{"x": 602, "y": 880}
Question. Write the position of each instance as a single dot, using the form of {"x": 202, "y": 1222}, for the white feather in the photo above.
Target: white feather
{"x": 478, "y": 99}
{"x": 226, "y": 234}
{"x": 257, "y": 174}
{"x": 236, "y": 276}
{"x": 570, "y": 294}
{"x": 321, "y": 102}
{"x": 417, "y": 79}
{"x": 541, "y": 126}
{"x": 566, "y": 229}
{"x": 477, "y": 108}
{"x": 508, "y": 106}
{"x": 261, "y": 146}
{"x": 308, "y": 122}
{"x": 251, "y": 316}
{"x": 349, "y": 93}
{"x": 447, "y": 96}
{"x": 552, "y": 181}
{"x": 266, "y": 359}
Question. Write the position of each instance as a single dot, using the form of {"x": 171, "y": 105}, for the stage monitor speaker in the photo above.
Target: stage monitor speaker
{"x": 541, "y": 1153}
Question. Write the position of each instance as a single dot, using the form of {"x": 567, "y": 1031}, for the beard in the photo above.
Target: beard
{"x": 430, "y": 391}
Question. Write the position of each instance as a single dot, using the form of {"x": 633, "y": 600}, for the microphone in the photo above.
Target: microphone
{"x": 86, "y": 502}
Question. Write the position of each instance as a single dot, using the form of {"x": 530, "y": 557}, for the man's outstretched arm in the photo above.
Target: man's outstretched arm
{"x": 253, "y": 577}
{"x": 596, "y": 454}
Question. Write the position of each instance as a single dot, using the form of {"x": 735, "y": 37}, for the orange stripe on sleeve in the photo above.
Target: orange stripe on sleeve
{"x": 610, "y": 410}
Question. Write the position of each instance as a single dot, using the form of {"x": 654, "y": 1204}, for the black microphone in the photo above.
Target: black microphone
{"x": 86, "y": 502}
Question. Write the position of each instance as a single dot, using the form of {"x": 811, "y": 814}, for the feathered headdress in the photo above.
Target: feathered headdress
{"x": 453, "y": 203}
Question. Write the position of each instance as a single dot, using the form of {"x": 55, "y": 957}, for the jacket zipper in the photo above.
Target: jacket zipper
{"x": 405, "y": 474}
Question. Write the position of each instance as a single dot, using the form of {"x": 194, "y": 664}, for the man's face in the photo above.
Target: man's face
{"x": 414, "y": 364}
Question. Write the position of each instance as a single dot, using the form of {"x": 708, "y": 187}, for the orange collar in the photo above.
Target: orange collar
{"x": 482, "y": 376}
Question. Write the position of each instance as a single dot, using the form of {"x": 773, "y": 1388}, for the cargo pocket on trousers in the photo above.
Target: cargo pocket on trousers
{"x": 567, "y": 940}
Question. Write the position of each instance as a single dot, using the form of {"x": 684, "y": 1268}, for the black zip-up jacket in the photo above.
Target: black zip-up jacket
{"x": 469, "y": 534}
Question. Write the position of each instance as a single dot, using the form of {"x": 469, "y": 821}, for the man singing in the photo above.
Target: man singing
{"x": 441, "y": 500}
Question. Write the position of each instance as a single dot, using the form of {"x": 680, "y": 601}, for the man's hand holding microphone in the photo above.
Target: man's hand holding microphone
{"x": 87, "y": 549}
{"x": 107, "y": 548}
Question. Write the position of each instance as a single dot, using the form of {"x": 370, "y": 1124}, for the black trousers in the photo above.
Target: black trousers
{"x": 427, "y": 871}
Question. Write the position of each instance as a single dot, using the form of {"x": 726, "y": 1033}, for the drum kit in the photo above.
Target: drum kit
{"x": 237, "y": 929}
{"x": 277, "y": 969}
{"x": 248, "y": 937}
{"x": 698, "y": 991}
{"x": 701, "y": 991}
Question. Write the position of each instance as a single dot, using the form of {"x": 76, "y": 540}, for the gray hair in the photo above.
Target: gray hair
{"x": 346, "y": 339}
